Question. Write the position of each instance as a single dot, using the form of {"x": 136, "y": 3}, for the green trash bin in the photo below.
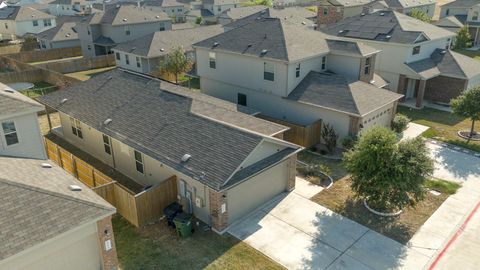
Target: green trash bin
{"x": 183, "y": 224}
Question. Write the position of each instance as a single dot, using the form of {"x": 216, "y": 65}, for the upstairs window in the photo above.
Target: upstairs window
{"x": 475, "y": 16}
{"x": 107, "y": 145}
{"x": 127, "y": 59}
{"x": 47, "y": 22}
{"x": 297, "y": 71}
{"x": 35, "y": 22}
{"x": 10, "y": 133}
{"x": 89, "y": 47}
{"x": 139, "y": 162}
{"x": 325, "y": 11}
{"x": 162, "y": 26}
{"x": 6, "y": 25}
{"x": 447, "y": 12}
{"x": 219, "y": 8}
{"x": 242, "y": 99}
{"x": 367, "y": 65}
{"x": 212, "y": 58}
{"x": 138, "y": 62}
{"x": 127, "y": 30}
{"x": 324, "y": 63}
{"x": 117, "y": 56}
{"x": 88, "y": 31}
{"x": 416, "y": 50}
{"x": 268, "y": 71}
{"x": 76, "y": 127}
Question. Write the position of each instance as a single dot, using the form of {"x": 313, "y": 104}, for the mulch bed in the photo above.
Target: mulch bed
{"x": 466, "y": 135}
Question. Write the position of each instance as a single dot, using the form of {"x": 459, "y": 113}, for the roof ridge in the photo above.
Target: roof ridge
{"x": 55, "y": 194}
{"x": 454, "y": 56}
{"x": 284, "y": 37}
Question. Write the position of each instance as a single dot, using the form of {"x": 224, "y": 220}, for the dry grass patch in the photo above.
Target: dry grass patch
{"x": 340, "y": 199}
{"x": 158, "y": 247}
{"x": 43, "y": 121}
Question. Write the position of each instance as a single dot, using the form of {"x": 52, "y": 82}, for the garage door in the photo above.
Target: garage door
{"x": 254, "y": 192}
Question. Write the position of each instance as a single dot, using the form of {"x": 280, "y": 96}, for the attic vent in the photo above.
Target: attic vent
{"x": 46, "y": 165}
{"x": 363, "y": 14}
{"x": 75, "y": 188}
{"x": 388, "y": 36}
{"x": 108, "y": 121}
{"x": 304, "y": 23}
{"x": 443, "y": 51}
{"x": 9, "y": 90}
{"x": 215, "y": 44}
{"x": 382, "y": 14}
{"x": 263, "y": 52}
{"x": 341, "y": 31}
{"x": 249, "y": 45}
{"x": 162, "y": 49}
{"x": 63, "y": 100}
{"x": 158, "y": 17}
{"x": 186, "y": 157}
{"x": 124, "y": 20}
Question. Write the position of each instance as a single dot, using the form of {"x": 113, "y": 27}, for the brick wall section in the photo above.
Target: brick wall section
{"x": 334, "y": 15}
{"x": 109, "y": 258}
{"x": 402, "y": 80}
{"x": 443, "y": 89}
{"x": 367, "y": 77}
{"x": 219, "y": 219}
{"x": 291, "y": 172}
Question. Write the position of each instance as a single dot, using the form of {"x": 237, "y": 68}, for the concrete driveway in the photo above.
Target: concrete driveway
{"x": 301, "y": 234}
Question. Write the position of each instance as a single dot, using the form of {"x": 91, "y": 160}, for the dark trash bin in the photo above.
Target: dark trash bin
{"x": 183, "y": 224}
{"x": 171, "y": 211}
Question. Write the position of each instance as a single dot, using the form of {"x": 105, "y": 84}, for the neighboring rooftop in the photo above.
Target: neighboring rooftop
{"x": 446, "y": 62}
{"x": 347, "y": 3}
{"x": 241, "y": 12}
{"x": 38, "y": 205}
{"x": 65, "y": 29}
{"x": 335, "y": 92}
{"x": 222, "y": 2}
{"x": 461, "y": 4}
{"x": 199, "y": 13}
{"x": 454, "y": 21}
{"x": 126, "y": 13}
{"x": 13, "y": 102}
{"x": 160, "y": 43}
{"x": 162, "y": 3}
{"x": 291, "y": 12}
{"x": 163, "y": 124}
{"x": 19, "y": 13}
{"x": 408, "y": 3}
{"x": 386, "y": 26}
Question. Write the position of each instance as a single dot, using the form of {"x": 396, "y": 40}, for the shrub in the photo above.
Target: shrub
{"x": 198, "y": 20}
{"x": 330, "y": 138}
{"x": 349, "y": 142}
{"x": 400, "y": 123}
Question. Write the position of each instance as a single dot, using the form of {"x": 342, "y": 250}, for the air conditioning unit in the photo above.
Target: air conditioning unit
{"x": 199, "y": 202}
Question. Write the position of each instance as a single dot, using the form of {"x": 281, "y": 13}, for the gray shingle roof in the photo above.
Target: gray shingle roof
{"x": 20, "y": 13}
{"x": 37, "y": 204}
{"x": 335, "y": 92}
{"x": 241, "y": 12}
{"x": 222, "y": 2}
{"x": 126, "y": 13}
{"x": 65, "y": 29}
{"x": 160, "y": 43}
{"x": 13, "y": 103}
{"x": 408, "y": 3}
{"x": 350, "y": 3}
{"x": 105, "y": 41}
{"x": 350, "y": 48}
{"x": 199, "y": 13}
{"x": 386, "y": 26}
{"x": 461, "y": 4}
{"x": 158, "y": 123}
{"x": 457, "y": 21}
{"x": 446, "y": 62}
{"x": 248, "y": 19}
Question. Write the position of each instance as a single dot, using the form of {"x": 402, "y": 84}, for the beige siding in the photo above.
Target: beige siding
{"x": 263, "y": 150}
{"x": 76, "y": 250}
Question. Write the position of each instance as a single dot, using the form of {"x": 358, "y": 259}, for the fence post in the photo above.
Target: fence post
{"x": 93, "y": 177}
{"x": 74, "y": 166}
{"x": 59, "y": 156}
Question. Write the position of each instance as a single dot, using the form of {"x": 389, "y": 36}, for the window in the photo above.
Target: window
{"x": 42, "y": 44}
{"x": 162, "y": 27}
{"x": 416, "y": 50}
{"x": 324, "y": 63}
{"x": 127, "y": 30}
{"x": 179, "y": 10}
{"x": 6, "y": 25}
{"x": 213, "y": 60}
{"x": 47, "y": 22}
{"x": 325, "y": 11}
{"x": 35, "y": 23}
{"x": 367, "y": 65}
{"x": 138, "y": 61}
{"x": 10, "y": 133}
{"x": 76, "y": 127}
{"x": 297, "y": 71}
{"x": 268, "y": 71}
{"x": 88, "y": 31}
{"x": 127, "y": 59}
{"x": 219, "y": 8}
{"x": 106, "y": 144}
{"x": 117, "y": 56}
{"x": 447, "y": 12}
{"x": 138, "y": 161}
{"x": 242, "y": 99}
{"x": 475, "y": 16}
{"x": 89, "y": 47}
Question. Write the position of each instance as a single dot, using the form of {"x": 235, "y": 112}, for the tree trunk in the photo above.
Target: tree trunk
{"x": 176, "y": 78}
{"x": 472, "y": 130}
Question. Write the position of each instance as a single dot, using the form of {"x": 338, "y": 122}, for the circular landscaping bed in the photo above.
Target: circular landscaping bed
{"x": 322, "y": 179}
{"x": 382, "y": 213}
{"x": 466, "y": 135}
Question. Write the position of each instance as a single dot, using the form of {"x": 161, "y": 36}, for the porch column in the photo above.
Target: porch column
{"x": 420, "y": 93}
{"x": 218, "y": 210}
{"x": 402, "y": 79}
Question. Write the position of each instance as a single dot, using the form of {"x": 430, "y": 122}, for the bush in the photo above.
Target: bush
{"x": 349, "y": 142}
{"x": 330, "y": 138}
{"x": 199, "y": 20}
{"x": 400, "y": 123}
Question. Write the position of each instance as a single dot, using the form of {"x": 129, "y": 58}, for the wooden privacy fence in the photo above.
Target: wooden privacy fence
{"x": 305, "y": 136}
{"x": 139, "y": 209}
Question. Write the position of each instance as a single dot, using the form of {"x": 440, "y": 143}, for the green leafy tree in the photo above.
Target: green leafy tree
{"x": 400, "y": 123}
{"x": 468, "y": 105}
{"x": 176, "y": 62}
{"x": 463, "y": 39}
{"x": 267, "y": 3}
{"x": 420, "y": 15}
{"x": 387, "y": 174}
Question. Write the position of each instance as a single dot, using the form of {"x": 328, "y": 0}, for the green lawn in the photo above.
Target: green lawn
{"x": 473, "y": 54}
{"x": 442, "y": 186}
{"x": 443, "y": 126}
{"x": 158, "y": 247}
{"x": 40, "y": 89}
{"x": 335, "y": 166}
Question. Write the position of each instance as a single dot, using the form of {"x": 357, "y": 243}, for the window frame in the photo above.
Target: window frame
{"x": 139, "y": 161}
{"x": 212, "y": 59}
{"x": 127, "y": 31}
{"x": 117, "y": 56}
{"x": 107, "y": 144}
{"x": 367, "y": 67}
{"x": 47, "y": 22}
{"x": 241, "y": 99}
{"x": 139, "y": 64}
{"x": 324, "y": 63}
{"x": 76, "y": 127}
{"x": 127, "y": 59}
{"x": 268, "y": 74}
{"x": 6, "y": 133}
{"x": 297, "y": 70}
{"x": 416, "y": 50}
{"x": 35, "y": 23}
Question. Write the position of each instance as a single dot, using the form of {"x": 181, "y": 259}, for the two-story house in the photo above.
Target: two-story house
{"x": 466, "y": 12}
{"x": 407, "y": 6}
{"x": 227, "y": 161}
{"x": 49, "y": 219}
{"x": 294, "y": 74}
{"x": 102, "y": 31}
{"x": 415, "y": 57}
{"x": 145, "y": 54}
{"x": 17, "y": 21}
{"x": 176, "y": 10}
{"x": 72, "y": 7}
{"x": 63, "y": 35}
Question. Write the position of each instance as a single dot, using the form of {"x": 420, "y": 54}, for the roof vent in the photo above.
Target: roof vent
{"x": 263, "y": 52}
{"x": 363, "y": 14}
{"x": 382, "y": 14}
{"x": 443, "y": 51}
{"x": 158, "y": 17}
{"x": 46, "y": 165}
{"x": 186, "y": 157}
{"x": 341, "y": 31}
{"x": 304, "y": 23}
{"x": 108, "y": 121}
{"x": 162, "y": 49}
{"x": 9, "y": 90}
{"x": 249, "y": 45}
{"x": 124, "y": 20}
{"x": 75, "y": 188}
{"x": 63, "y": 100}
{"x": 215, "y": 44}
{"x": 388, "y": 36}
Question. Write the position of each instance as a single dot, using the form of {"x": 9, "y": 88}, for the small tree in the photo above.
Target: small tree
{"x": 176, "y": 62}
{"x": 389, "y": 175}
{"x": 463, "y": 39}
{"x": 400, "y": 123}
{"x": 420, "y": 15}
{"x": 468, "y": 105}
{"x": 330, "y": 137}
{"x": 198, "y": 20}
